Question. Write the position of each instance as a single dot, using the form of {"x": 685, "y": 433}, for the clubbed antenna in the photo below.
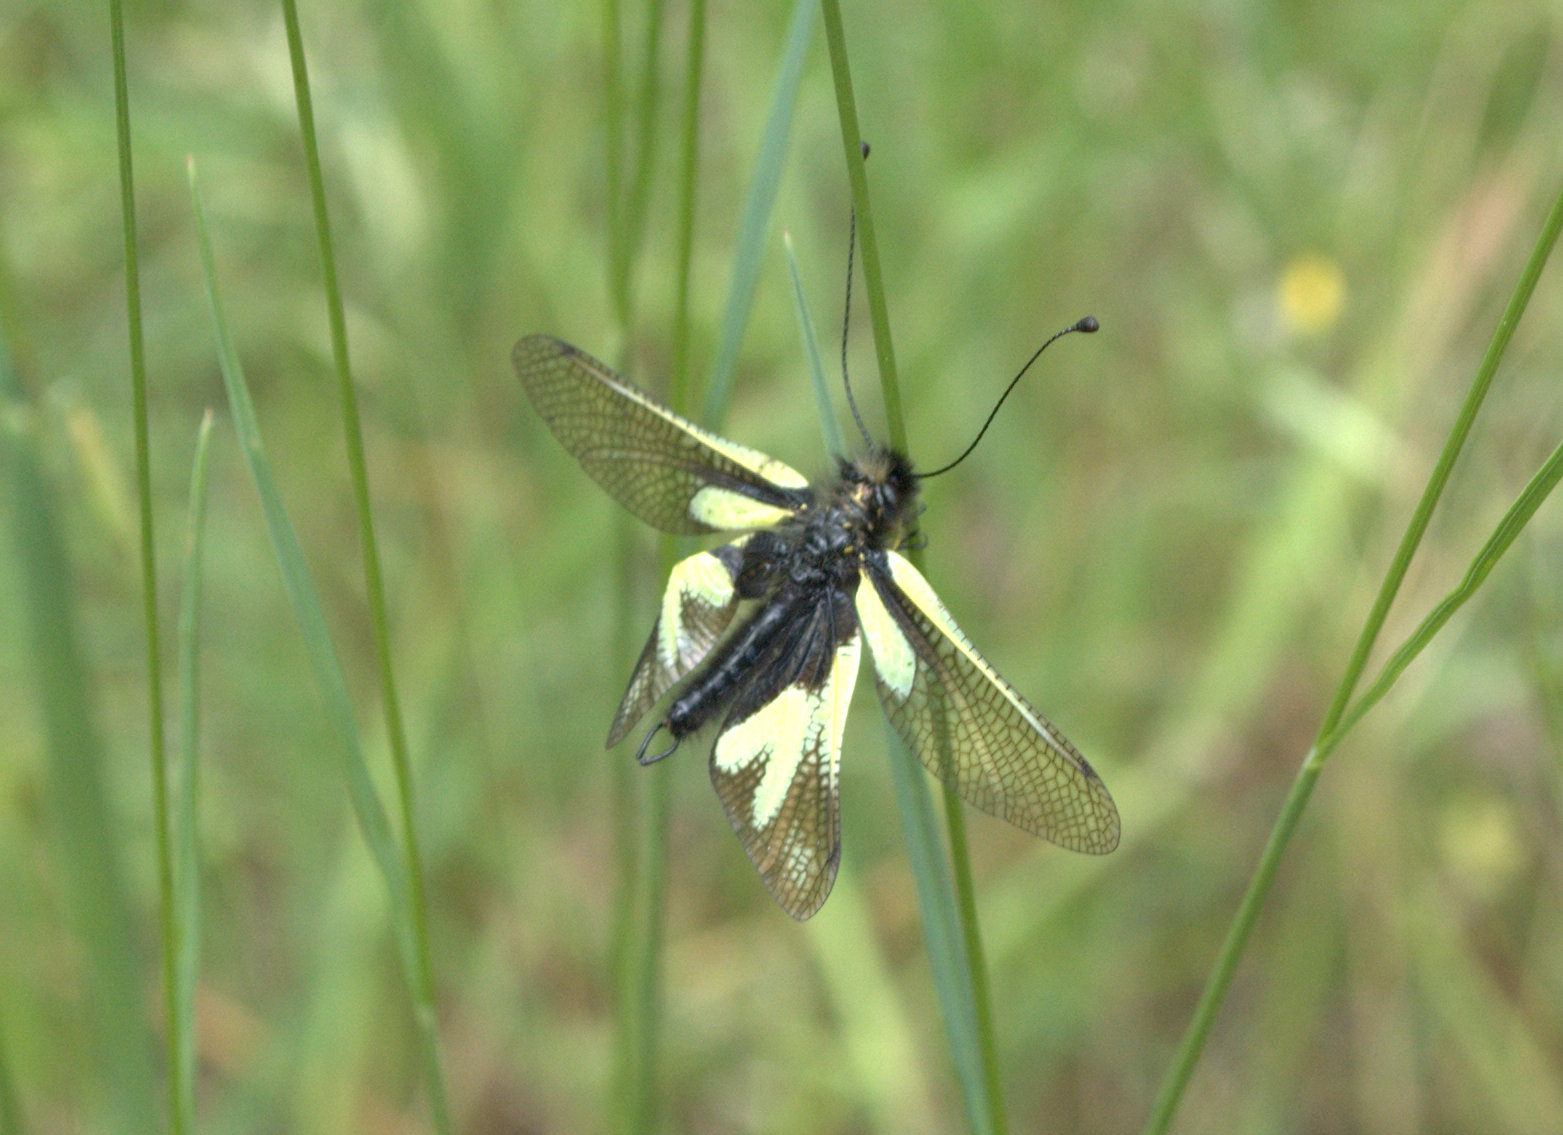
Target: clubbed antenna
{"x": 1087, "y": 325}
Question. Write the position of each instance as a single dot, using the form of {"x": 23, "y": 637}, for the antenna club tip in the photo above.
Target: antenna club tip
{"x": 1089, "y": 325}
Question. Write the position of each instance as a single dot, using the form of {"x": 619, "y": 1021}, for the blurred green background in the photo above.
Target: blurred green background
{"x": 1297, "y": 223}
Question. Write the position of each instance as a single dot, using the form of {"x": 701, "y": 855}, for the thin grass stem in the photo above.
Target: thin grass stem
{"x": 185, "y": 796}
{"x": 647, "y": 136}
{"x": 660, "y": 802}
{"x": 688, "y": 183}
{"x": 1513, "y": 523}
{"x": 422, "y": 977}
{"x": 982, "y": 1085}
{"x": 640, "y": 835}
{"x": 613, "y": 153}
{"x": 1337, "y": 722}
{"x": 175, "y": 1029}
{"x": 624, "y": 951}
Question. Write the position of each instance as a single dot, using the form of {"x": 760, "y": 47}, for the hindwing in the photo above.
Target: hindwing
{"x": 966, "y": 724}
{"x": 697, "y": 608}
{"x": 663, "y": 468}
{"x": 776, "y": 764}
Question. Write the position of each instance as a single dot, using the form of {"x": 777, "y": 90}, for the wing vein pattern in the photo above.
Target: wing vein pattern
{"x": 776, "y": 764}
{"x": 967, "y": 725}
{"x": 662, "y": 467}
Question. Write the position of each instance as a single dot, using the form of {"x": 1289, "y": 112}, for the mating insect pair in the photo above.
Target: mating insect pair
{"x": 763, "y": 635}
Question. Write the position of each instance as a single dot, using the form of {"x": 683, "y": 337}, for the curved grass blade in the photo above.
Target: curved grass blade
{"x": 834, "y": 446}
{"x": 185, "y": 795}
{"x": 1337, "y": 721}
{"x": 942, "y": 938}
{"x": 749, "y": 253}
{"x": 323, "y": 659}
{"x": 89, "y": 844}
{"x": 420, "y": 975}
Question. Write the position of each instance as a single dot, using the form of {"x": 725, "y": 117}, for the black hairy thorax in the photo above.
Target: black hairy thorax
{"x": 804, "y": 572}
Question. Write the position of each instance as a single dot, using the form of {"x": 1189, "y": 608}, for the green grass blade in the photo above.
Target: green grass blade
{"x": 89, "y": 843}
{"x": 421, "y": 973}
{"x": 868, "y": 239}
{"x": 1513, "y": 523}
{"x": 613, "y": 147}
{"x": 867, "y": 1005}
{"x": 1336, "y": 722}
{"x": 185, "y": 796}
{"x": 647, "y": 136}
{"x": 688, "y": 184}
{"x": 834, "y": 446}
{"x": 296, "y": 576}
{"x": 749, "y": 254}
{"x": 305, "y": 601}
{"x": 626, "y": 943}
{"x": 966, "y": 1004}
{"x": 1446, "y": 459}
{"x": 10, "y": 1103}
{"x": 641, "y": 851}
{"x": 627, "y": 209}
{"x": 942, "y": 936}
{"x": 178, "y": 1090}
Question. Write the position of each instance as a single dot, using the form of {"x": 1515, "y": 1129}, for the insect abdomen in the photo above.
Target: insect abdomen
{"x": 734, "y": 660}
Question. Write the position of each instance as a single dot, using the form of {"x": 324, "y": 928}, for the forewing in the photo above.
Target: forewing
{"x": 776, "y": 764}
{"x": 967, "y": 724}
{"x": 666, "y": 470}
{"x": 697, "y": 608}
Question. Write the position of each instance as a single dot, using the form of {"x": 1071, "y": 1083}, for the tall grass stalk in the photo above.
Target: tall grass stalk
{"x": 961, "y": 975}
{"x": 10, "y": 1105}
{"x": 638, "y": 934}
{"x": 421, "y": 979}
{"x": 643, "y": 1113}
{"x": 640, "y": 831}
{"x": 117, "y": 1070}
{"x": 1343, "y": 714}
{"x": 185, "y": 795}
{"x": 175, "y": 1030}
{"x": 327, "y": 666}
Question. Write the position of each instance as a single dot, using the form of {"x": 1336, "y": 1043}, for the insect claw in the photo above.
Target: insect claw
{"x": 640, "y": 754}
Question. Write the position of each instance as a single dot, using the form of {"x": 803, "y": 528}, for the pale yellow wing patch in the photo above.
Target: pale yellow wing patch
{"x": 967, "y": 725}
{"x": 723, "y": 510}
{"x": 778, "y": 774}
{"x": 697, "y": 608}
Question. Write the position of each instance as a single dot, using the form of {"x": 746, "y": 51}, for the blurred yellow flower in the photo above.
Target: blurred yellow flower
{"x": 1311, "y": 293}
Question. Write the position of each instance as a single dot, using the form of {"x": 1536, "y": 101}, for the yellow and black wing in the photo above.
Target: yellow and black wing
{"x": 665, "y": 469}
{"x": 698, "y": 605}
{"x": 966, "y": 724}
{"x": 776, "y": 764}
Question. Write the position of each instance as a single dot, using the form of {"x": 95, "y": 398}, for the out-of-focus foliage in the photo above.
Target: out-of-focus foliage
{"x": 1297, "y": 225}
